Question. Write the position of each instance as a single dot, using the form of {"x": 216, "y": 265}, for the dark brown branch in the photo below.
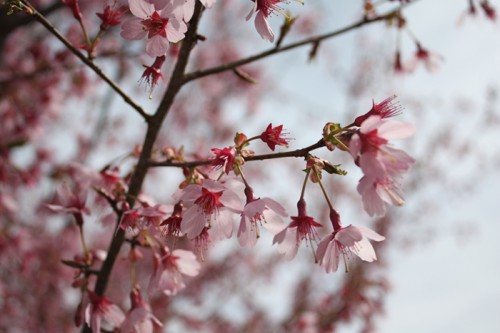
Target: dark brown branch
{"x": 154, "y": 126}
{"x": 40, "y": 18}
{"x": 294, "y": 153}
{"x": 278, "y": 49}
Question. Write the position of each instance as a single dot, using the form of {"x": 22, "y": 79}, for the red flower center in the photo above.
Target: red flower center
{"x": 155, "y": 25}
{"x": 209, "y": 201}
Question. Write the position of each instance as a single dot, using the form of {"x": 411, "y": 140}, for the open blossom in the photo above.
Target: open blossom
{"x": 263, "y": 211}
{"x": 385, "y": 109}
{"x": 170, "y": 268}
{"x": 369, "y": 147}
{"x": 160, "y": 26}
{"x": 430, "y": 60}
{"x": 346, "y": 241}
{"x": 71, "y": 202}
{"x": 302, "y": 227}
{"x": 274, "y": 136}
{"x": 139, "y": 319}
{"x": 382, "y": 165}
{"x": 188, "y": 7}
{"x": 264, "y": 8}
{"x": 224, "y": 158}
{"x": 375, "y": 191}
{"x": 144, "y": 217}
{"x": 100, "y": 308}
{"x": 212, "y": 204}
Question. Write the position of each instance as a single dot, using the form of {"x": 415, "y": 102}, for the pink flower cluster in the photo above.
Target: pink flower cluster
{"x": 382, "y": 165}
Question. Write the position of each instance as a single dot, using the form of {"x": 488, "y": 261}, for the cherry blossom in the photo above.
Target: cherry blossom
{"x": 71, "y": 202}
{"x": 302, "y": 227}
{"x": 159, "y": 25}
{"x": 110, "y": 17}
{"x": 274, "y": 136}
{"x": 385, "y": 109}
{"x": 152, "y": 74}
{"x": 345, "y": 241}
{"x": 263, "y": 211}
{"x": 375, "y": 191}
{"x": 224, "y": 158}
{"x": 100, "y": 308}
{"x": 169, "y": 269}
{"x": 210, "y": 203}
{"x": 144, "y": 217}
{"x": 139, "y": 319}
{"x": 369, "y": 147}
{"x": 430, "y": 60}
{"x": 264, "y": 8}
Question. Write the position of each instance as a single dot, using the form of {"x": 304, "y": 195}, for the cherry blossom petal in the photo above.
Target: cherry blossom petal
{"x": 263, "y": 27}
{"x": 176, "y": 30}
{"x": 395, "y": 130}
{"x": 141, "y": 8}
{"x": 187, "y": 262}
{"x": 349, "y": 235}
{"x": 373, "y": 122}
{"x": 156, "y": 46}
{"x": 247, "y": 235}
{"x": 275, "y": 206}
{"x": 192, "y": 222}
{"x": 287, "y": 243}
{"x": 328, "y": 254}
{"x": 252, "y": 11}
{"x": 133, "y": 29}
{"x": 208, "y": 3}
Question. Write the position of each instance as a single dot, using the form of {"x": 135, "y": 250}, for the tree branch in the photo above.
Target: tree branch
{"x": 154, "y": 126}
{"x": 279, "y": 49}
{"x": 40, "y": 18}
{"x": 294, "y": 153}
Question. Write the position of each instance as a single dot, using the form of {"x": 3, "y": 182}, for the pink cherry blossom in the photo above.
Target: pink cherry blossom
{"x": 346, "y": 241}
{"x": 369, "y": 147}
{"x": 264, "y": 8}
{"x": 160, "y": 26}
{"x": 100, "y": 308}
{"x": 144, "y": 217}
{"x": 274, "y": 136}
{"x": 302, "y": 227}
{"x": 224, "y": 158}
{"x": 71, "y": 202}
{"x": 263, "y": 211}
{"x": 139, "y": 319}
{"x": 382, "y": 165}
{"x": 152, "y": 74}
{"x": 377, "y": 191}
{"x": 210, "y": 203}
{"x": 430, "y": 60}
{"x": 385, "y": 109}
{"x": 110, "y": 16}
{"x": 170, "y": 268}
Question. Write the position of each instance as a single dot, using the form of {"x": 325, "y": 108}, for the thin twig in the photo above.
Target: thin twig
{"x": 294, "y": 153}
{"x": 278, "y": 49}
{"x": 40, "y": 18}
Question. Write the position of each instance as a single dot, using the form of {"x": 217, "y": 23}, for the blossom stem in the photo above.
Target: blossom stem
{"x": 308, "y": 171}
{"x": 322, "y": 188}
{"x": 251, "y": 139}
{"x": 85, "y": 34}
{"x": 133, "y": 275}
{"x": 242, "y": 175}
{"x": 84, "y": 244}
{"x": 93, "y": 45}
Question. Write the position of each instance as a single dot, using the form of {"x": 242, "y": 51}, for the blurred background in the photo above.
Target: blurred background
{"x": 437, "y": 271}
